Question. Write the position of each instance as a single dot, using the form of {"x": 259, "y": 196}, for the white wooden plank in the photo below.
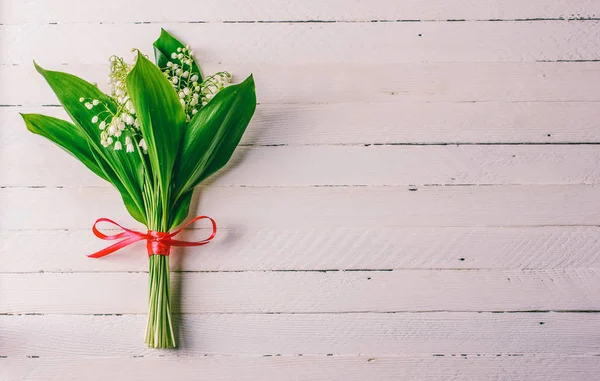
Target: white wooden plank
{"x": 385, "y": 123}
{"x": 327, "y": 89}
{"x": 113, "y": 11}
{"x": 317, "y": 207}
{"x": 320, "y": 249}
{"x": 318, "y": 368}
{"x": 400, "y": 83}
{"x": 59, "y": 336}
{"x": 307, "y": 292}
{"x": 327, "y": 165}
{"x": 318, "y": 43}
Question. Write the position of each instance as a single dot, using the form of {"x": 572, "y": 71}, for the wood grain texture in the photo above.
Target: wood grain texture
{"x": 419, "y": 184}
{"x": 390, "y": 123}
{"x": 327, "y": 166}
{"x": 319, "y": 43}
{"x": 318, "y": 207}
{"x": 400, "y": 84}
{"x": 444, "y": 333}
{"x": 114, "y": 11}
{"x": 307, "y": 292}
{"x": 243, "y": 249}
{"x": 454, "y": 367}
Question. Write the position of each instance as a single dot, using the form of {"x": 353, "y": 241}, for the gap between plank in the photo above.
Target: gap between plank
{"x": 321, "y": 313}
{"x": 409, "y": 187}
{"x": 370, "y": 357}
{"x": 390, "y": 226}
{"x": 228, "y": 271}
{"x": 323, "y": 21}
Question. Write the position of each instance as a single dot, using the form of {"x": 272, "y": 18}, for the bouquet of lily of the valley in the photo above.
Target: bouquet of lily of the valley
{"x": 163, "y": 129}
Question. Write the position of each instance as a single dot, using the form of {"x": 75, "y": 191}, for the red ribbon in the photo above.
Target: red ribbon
{"x": 158, "y": 243}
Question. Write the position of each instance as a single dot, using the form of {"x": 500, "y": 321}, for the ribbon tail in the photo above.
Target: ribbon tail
{"x": 174, "y": 242}
{"x": 112, "y": 248}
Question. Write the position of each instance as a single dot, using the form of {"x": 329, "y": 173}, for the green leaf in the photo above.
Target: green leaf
{"x": 166, "y": 45}
{"x": 67, "y": 136}
{"x": 181, "y": 209}
{"x": 161, "y": 118}
{"x": 130, "y": 204}
{"x": 123, "y": 170}
{"x": 213, "y": 134}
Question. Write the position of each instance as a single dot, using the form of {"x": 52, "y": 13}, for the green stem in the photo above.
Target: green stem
{"x": 159, "y": 330}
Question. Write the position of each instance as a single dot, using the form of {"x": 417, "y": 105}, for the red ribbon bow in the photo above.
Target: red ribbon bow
{"x": 158, "y": 243}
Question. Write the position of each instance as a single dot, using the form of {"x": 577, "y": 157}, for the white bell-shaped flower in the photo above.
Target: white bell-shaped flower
{"x": 142, "y": 144}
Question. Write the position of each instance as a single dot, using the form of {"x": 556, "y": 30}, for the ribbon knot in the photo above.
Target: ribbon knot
{"x": 155, "y": 243}
{"x": 158, "y": 243}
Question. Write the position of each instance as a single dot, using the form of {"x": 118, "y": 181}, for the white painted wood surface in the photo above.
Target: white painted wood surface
{"x": 64, "y": 11}
{"x": 361, "y": 334}
{"x": 309, "y": 291}
{"x": 384, "y": 248}
{"x": 417, "y": 197}
{"x": 455, "y": 367}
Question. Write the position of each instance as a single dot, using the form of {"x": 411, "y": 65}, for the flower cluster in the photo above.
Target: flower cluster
{"x": 122, "y": 127}
{"x": 121, "y": 124}
{"x": 115, "y": 126}
{"x": 213, "y": 84}
{"x": 192, "y": 94}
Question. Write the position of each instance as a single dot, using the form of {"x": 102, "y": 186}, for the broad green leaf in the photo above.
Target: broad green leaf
{"x": 70, "y": 137}
{"x": 123, "y": 170}
{"x": 130, "y": 204}
{"x": 161, "y": 118}
{"x": 166, "y": 45}
{"x": 181, "y": 209}
{"x": 67, "y": 136}
{"x": 212, "y": 135}
{"x": 138, "y": 214}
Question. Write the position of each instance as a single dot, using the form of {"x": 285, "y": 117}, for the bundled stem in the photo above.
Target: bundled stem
{"x": 159, "y": 330}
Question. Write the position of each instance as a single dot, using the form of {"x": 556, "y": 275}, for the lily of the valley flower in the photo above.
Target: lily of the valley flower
{"x": 123, "y": 124}
{"x": 142, "y": 144}
{"x": 192, "y": 95}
